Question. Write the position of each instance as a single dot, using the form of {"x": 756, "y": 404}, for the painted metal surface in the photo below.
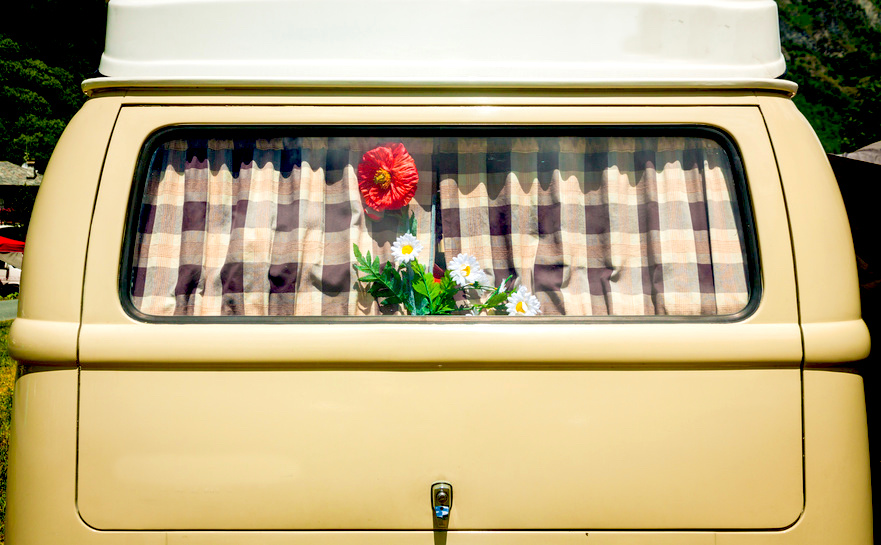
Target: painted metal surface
{"x": 149, "y": 407}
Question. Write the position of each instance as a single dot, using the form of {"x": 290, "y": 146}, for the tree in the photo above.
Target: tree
{"x": 18, "y": 202}
{"x": 830, "y": 50}
{"x": 43, "y": 60}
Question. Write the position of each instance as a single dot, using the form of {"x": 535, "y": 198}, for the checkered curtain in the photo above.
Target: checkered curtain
{"x": 261, "y": 227}
{"x": 594, "y": 226}
{"x": 599, "y": 226}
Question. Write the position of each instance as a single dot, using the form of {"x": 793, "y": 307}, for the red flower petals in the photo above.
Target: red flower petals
{"x": 387, "y": 177}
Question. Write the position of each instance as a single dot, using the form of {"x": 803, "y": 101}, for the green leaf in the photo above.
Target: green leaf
{"x": 389, "y": 274}
{"x": 378, "y": 290}
{"x": 411, "y": 228}
{"x": 422, "y": 306}
{"x": 425, "y": 286}
{"x": 419, "y": 287}
{"x": 407, "y": 291}
{"x": 496, "y": 299}
{"x": 434, "y": 290}
{"x": 446, "y": 309}
{"x": 447, "y": 285}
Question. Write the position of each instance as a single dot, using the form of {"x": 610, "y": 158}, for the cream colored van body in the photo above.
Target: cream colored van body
{"x": 142, "y": 432}
{"x": 748, "y": 428}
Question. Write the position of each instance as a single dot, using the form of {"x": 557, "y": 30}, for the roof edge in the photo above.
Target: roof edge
{"x": 103, "y": 83}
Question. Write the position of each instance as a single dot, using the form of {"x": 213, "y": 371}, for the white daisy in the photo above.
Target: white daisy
{"x": 465, "y": 270}
{"x": 485, "y": 280}
{"x": 522, "y": 303}
{"x": 406, "y": 248}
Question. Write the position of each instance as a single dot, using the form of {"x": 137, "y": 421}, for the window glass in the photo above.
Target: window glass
{"x": 625, "y": 223}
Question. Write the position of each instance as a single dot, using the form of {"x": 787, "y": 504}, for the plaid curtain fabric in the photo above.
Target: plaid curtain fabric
{"x": 593, "y": 226}
{"x": 261, "y": 227}
{"x": 599, "y": 226}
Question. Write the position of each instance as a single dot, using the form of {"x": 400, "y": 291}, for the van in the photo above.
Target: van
{"x": 557, "y": 272}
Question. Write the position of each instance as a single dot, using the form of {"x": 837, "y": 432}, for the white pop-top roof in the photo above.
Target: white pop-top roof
{"x": 446, "y": 42}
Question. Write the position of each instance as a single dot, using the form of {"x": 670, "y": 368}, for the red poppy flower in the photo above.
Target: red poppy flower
{"x": 387, "y": 177}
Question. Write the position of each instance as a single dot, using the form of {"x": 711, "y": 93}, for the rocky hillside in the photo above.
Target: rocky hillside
{"x": 833, "y": 51}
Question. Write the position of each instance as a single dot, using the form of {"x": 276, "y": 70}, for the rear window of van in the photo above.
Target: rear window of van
{"x": 294, "y": 221}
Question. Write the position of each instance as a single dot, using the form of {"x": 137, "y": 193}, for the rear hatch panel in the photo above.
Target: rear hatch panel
{"x": 285, "y": 450}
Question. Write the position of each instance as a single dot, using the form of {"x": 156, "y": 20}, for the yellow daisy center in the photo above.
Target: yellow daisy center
{"x": 466, "y": 270}
{"x": 382, "y": 178}
{"x": 407, "y": 249}
{"x": 520, "y": 307}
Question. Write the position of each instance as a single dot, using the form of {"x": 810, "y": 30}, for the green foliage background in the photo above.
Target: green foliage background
{"x": 832, "y": 51}
{"x": 47, "y": 47}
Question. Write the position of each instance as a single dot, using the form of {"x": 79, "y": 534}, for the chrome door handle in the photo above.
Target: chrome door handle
{"x": 441, "y": 504}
